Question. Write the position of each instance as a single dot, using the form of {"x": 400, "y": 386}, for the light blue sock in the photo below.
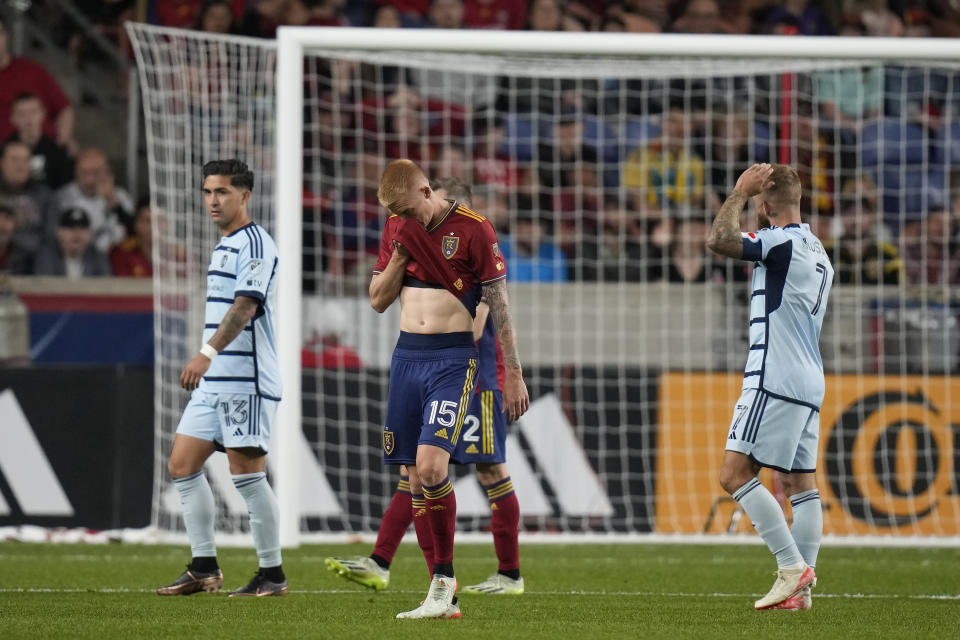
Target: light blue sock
{"x": 196, "y": 501}
{"x": 264, "y": 516}
{"x": 767, "y": 516}
{"x": 807, "y": 527}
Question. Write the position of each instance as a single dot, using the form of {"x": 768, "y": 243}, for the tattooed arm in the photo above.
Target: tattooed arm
{"x": 234, "y": 321}
{"x": 725, "y": 237}
{"x": 516, "y": 399}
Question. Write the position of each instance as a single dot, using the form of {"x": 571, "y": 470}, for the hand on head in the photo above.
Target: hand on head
{"x": 755, "y": 180}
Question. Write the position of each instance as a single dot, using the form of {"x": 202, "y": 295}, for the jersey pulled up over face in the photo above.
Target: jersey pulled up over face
{"x": 463, "y": 237}
{"x": 244, "y": 263}
{"x": 791, "y": 284}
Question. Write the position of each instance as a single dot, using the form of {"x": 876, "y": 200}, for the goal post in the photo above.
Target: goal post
{"x": 633, "y": 363}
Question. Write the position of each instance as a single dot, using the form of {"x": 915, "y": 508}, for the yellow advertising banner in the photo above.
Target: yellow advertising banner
{"x": 887, "y": 462}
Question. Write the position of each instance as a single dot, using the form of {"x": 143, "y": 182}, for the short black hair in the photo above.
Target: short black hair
{"x": 23, "y": 96}
{"x": 240, "y": 175}
{"x": 456, "y": 189}
{"x": 7, "y": 210}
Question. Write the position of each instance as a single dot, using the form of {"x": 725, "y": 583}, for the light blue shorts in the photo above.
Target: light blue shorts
{"x": 775, "y": 433}
{"x": 230, "y": 420}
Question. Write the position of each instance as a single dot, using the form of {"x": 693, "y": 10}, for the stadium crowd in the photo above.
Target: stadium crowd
{"x": 614, "y": 182}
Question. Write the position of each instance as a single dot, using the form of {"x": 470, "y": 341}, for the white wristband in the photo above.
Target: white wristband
{"x": 208, "y": 351}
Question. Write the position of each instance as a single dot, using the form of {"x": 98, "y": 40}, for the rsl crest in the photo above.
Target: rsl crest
{"x": 388, "y": 441}
{"x": 450, "y": 246}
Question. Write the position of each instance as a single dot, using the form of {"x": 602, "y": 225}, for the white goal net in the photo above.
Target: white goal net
{"x": 601, "y": 174}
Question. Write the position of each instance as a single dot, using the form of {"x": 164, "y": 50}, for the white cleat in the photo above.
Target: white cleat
{"x": 438, "y": 602}
{"x": 497, "y": 584}
{"x": 788, "y": 584}
{"x": 803, "y": 601}
{"x": 360, "y": 569}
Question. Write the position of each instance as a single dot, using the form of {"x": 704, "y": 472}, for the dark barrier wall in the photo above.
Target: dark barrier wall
{"x": 94, "y": 426}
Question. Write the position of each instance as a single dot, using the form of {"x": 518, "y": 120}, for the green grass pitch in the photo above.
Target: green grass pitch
{"x": 573, "y": 591}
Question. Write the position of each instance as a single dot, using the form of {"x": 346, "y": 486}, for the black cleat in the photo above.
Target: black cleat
{"x": 260, "y": 587}
{"x": 193, "y": 582}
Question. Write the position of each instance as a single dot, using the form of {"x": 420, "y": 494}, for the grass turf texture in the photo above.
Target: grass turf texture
{"x": 585, "y": 591}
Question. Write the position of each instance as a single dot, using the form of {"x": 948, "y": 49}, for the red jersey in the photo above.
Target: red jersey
{"x": 26, "y": 76}
{"x": 463, "y": 237}
{"x": 127, "y": 259}
{"x": 495, "y": 14}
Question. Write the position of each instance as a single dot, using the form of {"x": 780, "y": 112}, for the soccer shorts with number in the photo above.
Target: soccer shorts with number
{"x": 229, "y": 420}
{"x": 775, "y": 433}
{"x": 484, "y": 435}
{"x": 431, "y": 384}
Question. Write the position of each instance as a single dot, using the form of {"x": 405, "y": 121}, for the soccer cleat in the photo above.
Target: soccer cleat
{"x": 789, "y": 583}
{"x": 360, "y": 569}
{"x": 800, "y": 602}
{"x": 260, "y": 587}
{"x": 498, "y": 584}
{"x": 193, "y": 582}
{"x": 453, "y": 611}
{"x": 438, "y": 602}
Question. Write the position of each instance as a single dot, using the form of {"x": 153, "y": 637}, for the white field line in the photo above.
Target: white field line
{"x": 575, "y": 593}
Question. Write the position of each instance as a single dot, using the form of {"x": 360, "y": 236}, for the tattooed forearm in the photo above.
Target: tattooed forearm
{"x": 233, "y": 322}
{"x": 725, "y": 237}
{"x": 497, "y": 300}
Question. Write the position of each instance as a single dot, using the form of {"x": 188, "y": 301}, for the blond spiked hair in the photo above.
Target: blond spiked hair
{"x": 786, "y": 189}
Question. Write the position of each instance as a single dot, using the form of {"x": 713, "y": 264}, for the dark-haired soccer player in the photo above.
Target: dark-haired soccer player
{"x": 433, "y": 371}
{"x": 235, "y": 380}
{"x": 777, "y": 418}
{"x": 482, "y": 443}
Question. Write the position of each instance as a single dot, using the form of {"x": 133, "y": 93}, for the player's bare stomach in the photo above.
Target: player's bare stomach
{"x": 432, "y": 311}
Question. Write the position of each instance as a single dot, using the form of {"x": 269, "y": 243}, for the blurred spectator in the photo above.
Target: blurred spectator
{"x": 495, "y": 14}
{"x": 386, "y": 16}
{"x": 729, "y": 151}
{"x": 133, "y": 256}
{"x": 14, "y": 258}
{"x": 689, "y": 260}
{"x": 545, "y": 15}
{"x": 73, "y": 254}
{"x": 32, "y": 201}
{"x": 351, "y": 225}
{"x": 451, "y": 160}
{"x": 560, "y": 156}
{"x": 877, "y": 18}
{"x": 644, "y": 16}
{"x": 932, "y": 251}
{"x": 315, "y": 13}
{"x": 185, "y": 14}
{"x": 445, "y": 14}
{"x": 19, "y": 75}
{"x": 848, "y": 97}
{"x": 619, "y": 251}
{"x": 49, "y": 162}
{"x": 946, "y": 18}
{"x": 93, "y": 189}
{"x": 667, "y": 174}
{"x": 216, "y": 16}
{"x": 411, "y": 9}
{"x": 699, "y": 16}
{"x": 530, "y": 256}
{"x": 806, "y": 17}
{"x": 858, "y": 248}
{"x": 917, "y": 23}
{"x": 491, "y": 203}
{"x": 493, "y": 164}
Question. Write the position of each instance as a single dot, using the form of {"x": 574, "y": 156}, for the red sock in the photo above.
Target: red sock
{"x": 424, "y": 534}
{"x": 441, "y": 505}
{"x": 396, "y": 519}
{"x": 504, "y": 523}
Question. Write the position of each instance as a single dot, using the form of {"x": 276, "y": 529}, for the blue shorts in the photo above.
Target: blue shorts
{"x": 229, "y": 420}
{"x": 484, "y": 435}
{"x": 431, "y": 385}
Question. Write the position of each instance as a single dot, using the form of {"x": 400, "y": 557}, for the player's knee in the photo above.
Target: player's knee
{"x": 179, "y": 468}
{"x": 491, "y": 474}
{"x": 730, "y": 479}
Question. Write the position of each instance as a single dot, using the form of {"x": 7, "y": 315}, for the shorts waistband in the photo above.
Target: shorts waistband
{"x": 436, "y": 341}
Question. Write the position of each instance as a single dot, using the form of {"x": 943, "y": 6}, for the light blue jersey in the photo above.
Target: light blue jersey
{"x": 244, "y": 263}
{"x": 791, "y": 284}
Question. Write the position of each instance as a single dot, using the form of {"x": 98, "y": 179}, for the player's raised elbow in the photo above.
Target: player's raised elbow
{"x": 378, "y": 304}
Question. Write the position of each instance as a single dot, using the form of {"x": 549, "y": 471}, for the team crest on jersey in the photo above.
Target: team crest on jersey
{"x": 496, "y": 249}
{"x": 388, "y": 441}
{"x": 450, "y": 246}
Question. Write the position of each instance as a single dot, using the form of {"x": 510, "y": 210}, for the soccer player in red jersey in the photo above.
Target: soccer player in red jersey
{"x": 438, "y": 257}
